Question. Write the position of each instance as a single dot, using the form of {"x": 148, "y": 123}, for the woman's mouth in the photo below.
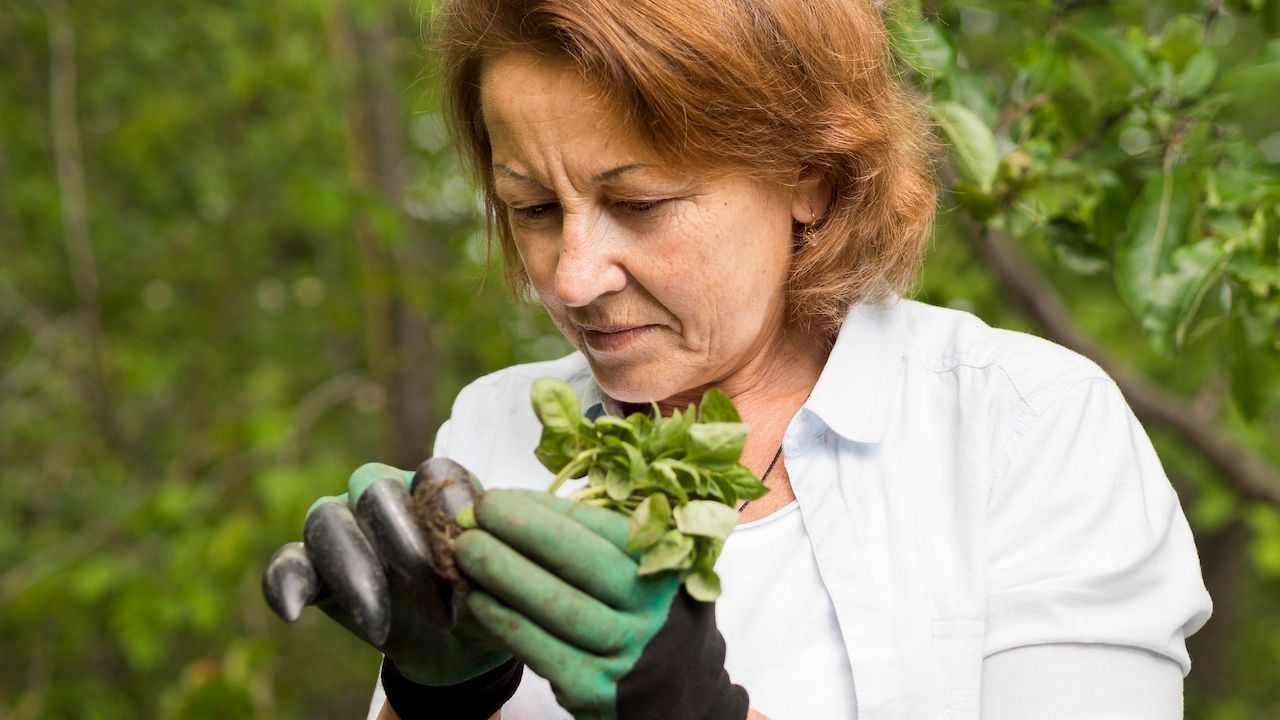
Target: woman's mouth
{"x": 613, "y": 338}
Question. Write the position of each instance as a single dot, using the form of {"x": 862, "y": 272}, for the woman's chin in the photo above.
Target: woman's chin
{"x": 636, "y": 384}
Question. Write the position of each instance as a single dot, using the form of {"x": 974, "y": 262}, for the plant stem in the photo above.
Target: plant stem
{"x": 578, "y": 464}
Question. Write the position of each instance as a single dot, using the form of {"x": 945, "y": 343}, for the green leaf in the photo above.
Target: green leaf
{"x": 673, "y": 551}
{"x": 722, "y": 489}
{"x": 598, "y": 475}
{"x": 635, "y": 462}
{"x": 1158, "y": 224}
{"x": 618, "y": 484}
{"x": 665, "y": 478}
{"x": 745, "y": 482}
{"x": 1252, "y": 363}
{"x": 1248, "y": 80}
{"x": 1111, "y": 202}
{"x": 716, "y": 442}
{"x": 555, "y": 451}
{"x": 703, "y": 584}
{"x": 717, "y": 407}
{"x": 1177, "y": 295}
{"x": 1198, "y": 75}
{"x": 556, "y": 406}
{"x": 610, "y": 426}
{"x": 706, "y": 518}
{"x": 668, "y": 434}
{"x": 973, "y": 90}
{"x": 973, "y": 147}
{"x": 1182, "y": 38}
{"x": 641, "y": 423}
{"x": 1074, "y": 246}
{"x": 649, "y": 522}
{"x": 1113, "y": 50}
{"x": 922, "y": 46}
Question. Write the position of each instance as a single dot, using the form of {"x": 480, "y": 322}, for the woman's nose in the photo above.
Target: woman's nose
{"x": 589, "y": 266}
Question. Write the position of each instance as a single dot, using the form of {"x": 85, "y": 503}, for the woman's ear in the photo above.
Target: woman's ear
{"x": 812, "y": 197}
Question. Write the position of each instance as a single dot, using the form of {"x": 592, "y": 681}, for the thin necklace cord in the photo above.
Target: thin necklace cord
{"x": 765, "y": 476}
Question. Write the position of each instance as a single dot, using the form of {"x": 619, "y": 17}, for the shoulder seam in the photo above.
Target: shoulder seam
{"x": 1032, "y": 412}
{"x": 1028, "y": 393}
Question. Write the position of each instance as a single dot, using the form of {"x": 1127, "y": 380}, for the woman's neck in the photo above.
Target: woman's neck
{"x": 767, "y": 391}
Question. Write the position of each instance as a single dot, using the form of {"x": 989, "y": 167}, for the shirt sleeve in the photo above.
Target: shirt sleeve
{"x": 379, "y": 697}
{"x": 1086, "y": 539}
{"x": 1080, "y": 681}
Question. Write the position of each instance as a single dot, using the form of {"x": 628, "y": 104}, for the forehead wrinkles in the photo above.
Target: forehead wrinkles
{"x": 543, "y": 120}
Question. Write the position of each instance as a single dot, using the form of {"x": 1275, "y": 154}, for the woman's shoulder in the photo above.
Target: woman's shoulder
{"x": 492, "y": 429}
{"x": 515, "y": 382}
{"x": 944, "y": 341}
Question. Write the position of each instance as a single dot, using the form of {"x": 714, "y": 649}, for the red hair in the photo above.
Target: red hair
{"x": 768, "y": 88}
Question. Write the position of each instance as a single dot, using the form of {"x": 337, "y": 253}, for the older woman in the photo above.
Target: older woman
{"x": 962, "y": 522}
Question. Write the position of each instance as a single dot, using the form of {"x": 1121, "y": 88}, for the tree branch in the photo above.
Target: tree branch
{"x": 64, "y": 127}
{"x": 309, "y": 410}
{"x": 1211, "y": 15}
{"x": 1024, "y": 283}
{"x": 375, "y": 263}
{"x": 1095, "y": 137}
{"x": 314, "y": 405}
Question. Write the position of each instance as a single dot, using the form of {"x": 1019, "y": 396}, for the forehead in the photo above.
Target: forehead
{"x": 540, "y": 111}
{"x": 531, "y": 102}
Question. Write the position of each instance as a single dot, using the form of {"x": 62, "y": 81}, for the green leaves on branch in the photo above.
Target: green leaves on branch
{"x": 1145, "y": 154}
{"x": 677, "y": 477}
{"x": 1157, "y": 224}
{"x": 1117, "y": 52}
{"x": 922, "y": 46}
{"x": 973, "y": 146}
{"x": 1176, "y": 295}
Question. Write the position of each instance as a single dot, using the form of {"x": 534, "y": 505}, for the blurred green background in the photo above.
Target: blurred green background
{"x": 238, "y": 258}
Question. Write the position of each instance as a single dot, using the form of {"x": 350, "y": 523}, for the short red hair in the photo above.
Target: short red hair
{"x": 769, "y": 88}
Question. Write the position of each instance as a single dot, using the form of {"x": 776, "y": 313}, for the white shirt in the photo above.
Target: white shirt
{"x": 782, "y": 636}
{"x": 966, "y": 492}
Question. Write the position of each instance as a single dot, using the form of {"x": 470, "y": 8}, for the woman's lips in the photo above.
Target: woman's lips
{"x": 613, "y": 338}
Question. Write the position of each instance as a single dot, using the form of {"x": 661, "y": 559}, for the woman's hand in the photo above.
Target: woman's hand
{"x": 554, "y": 584}
{"x": 366, "y": 564}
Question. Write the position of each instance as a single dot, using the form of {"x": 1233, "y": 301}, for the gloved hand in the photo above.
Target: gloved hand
{"x": 552, "y": 581}
{"x": 365, "y": 563}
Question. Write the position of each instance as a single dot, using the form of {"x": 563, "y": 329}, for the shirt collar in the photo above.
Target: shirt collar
{"x": 594, "y": 402}
{"x": 855, "y": 388}
{"x": 854, "y": 393}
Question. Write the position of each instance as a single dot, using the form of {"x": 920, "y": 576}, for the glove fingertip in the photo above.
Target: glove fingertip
{"x": 349, "y": 566}
{"x": 289, "y": 582}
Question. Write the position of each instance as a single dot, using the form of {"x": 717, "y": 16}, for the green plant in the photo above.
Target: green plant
{"x": 677, "y": 477}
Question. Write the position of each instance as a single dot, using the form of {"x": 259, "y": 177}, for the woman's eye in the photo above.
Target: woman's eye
{"x": 534, "y": 212}
{"x": 638, "y": 207}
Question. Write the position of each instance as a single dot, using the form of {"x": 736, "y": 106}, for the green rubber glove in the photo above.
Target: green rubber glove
{"x": 553, "y": 583}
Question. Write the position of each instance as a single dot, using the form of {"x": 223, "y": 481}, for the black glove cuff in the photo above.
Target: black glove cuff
{"x": 733, "y": 703}
{"x": 700, "y": 688}
{"x": 475, "y": 699}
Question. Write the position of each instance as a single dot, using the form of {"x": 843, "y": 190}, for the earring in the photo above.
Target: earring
{"x": 809, "y": 235}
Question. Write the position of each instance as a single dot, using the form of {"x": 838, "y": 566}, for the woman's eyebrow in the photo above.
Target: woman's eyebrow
{"x": 607, "y": 175}
{"x": 614, "y": 173}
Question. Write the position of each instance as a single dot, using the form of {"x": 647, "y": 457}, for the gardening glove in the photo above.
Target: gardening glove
{"x": 366, "y": 564}
{"x": 552, "y": 581}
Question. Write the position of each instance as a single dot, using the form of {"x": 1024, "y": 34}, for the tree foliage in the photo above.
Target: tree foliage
{"x": 240, "y": 259}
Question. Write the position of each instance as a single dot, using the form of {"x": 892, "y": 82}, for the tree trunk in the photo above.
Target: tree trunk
{"x": 397, "y": 337}
{"x": 1224, "y": 560}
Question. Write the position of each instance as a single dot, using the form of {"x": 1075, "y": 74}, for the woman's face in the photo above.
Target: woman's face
{"x": 668, "y": 280}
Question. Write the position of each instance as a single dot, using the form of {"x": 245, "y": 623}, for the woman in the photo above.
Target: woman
{"x": 962, "y": 522}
